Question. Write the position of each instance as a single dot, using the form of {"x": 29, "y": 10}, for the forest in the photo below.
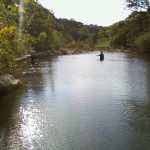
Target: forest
{"x": 25, "y": 24}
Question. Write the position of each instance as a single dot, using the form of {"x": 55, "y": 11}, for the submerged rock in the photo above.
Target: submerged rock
{"x": 8, "y": 83}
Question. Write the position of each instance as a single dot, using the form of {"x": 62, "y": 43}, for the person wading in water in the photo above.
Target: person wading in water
{"x": 33, "y": 54}
{"x": 101, "y": 56}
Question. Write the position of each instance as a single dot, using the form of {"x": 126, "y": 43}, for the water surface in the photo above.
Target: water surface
{"x": 76, "y": 102}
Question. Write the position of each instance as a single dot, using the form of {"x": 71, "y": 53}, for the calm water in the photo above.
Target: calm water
{"x": 76, "y": 102}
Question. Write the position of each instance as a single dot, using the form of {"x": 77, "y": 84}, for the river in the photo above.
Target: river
{"x": 76, "y": 102}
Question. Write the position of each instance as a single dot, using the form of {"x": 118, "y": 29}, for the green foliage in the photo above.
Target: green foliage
{"x": 83, "y": 33}
{"x": 72, "y": 44}
{"x": 7, "y": 33}
{"x": 102, "y": 44}
{"x": 7, "y": 36}
{"x": 42, "y": 39}
{"x": 57, "y": 41}
{"x": 103, "y": 41}
{"x": 143, "y": 42}
{"x": 8, "y": 14}
{"x": 119, "y": 40}
{"x": 6, "y": 61}
{"x": 138, "y": 4}
{"x": 10, "y": 39}
{"x": 23, "y": 44}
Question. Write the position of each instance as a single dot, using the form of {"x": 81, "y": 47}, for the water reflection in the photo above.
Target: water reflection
{"x": 8, "y": 122}
{"x": 32, "y": 124}
{"x": 137, "y": 104}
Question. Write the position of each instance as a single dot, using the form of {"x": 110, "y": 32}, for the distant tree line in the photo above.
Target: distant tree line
{"x": 133, "y": 33}
{"x": 28, "y": 24}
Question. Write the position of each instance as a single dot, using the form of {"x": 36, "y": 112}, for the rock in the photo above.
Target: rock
{"x": 8, "y": 83}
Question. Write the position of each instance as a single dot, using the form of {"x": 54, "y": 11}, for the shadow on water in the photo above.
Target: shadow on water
{"x": 8, "y": 105}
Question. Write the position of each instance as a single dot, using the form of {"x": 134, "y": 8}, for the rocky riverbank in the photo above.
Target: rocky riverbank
{"x": 8, "y": 83}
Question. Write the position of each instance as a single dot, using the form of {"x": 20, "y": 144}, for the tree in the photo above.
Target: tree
{"x": 83, "y": 33}
{"x": 42, "y": 40}
{"x": 8, "y": 15}
{"x": 6, "y": 61}
{"x": 57, "y": 41}
{"x": 143, "y": 42}
{"x": 138, "y": 4}
{"x": 120, "y": 40}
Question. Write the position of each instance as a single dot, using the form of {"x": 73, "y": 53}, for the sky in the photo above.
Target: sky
{"x": 96, "y": 12}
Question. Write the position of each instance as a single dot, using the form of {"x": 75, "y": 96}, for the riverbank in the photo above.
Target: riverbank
{"x": 8, "y": 82}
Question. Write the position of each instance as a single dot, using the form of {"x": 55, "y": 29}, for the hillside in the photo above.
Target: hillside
{"x": 28, "y": 24}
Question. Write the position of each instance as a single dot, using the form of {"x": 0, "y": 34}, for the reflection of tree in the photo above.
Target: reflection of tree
{"x": 9, "y": 106}
{"x": 52, "y": 75}
{"x": 139, "y": 123}
{"x": 138, "y": 104}
{"x": 40, "y": 76}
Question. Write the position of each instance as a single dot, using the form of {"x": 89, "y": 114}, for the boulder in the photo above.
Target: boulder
{"x": 8, "y": 83}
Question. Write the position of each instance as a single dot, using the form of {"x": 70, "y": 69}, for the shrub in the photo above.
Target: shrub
{"x": 143, "y": 42}
{"x": 6, "y": 61}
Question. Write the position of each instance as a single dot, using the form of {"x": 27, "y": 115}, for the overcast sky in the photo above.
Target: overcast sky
{"x": 97, "y": 12}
